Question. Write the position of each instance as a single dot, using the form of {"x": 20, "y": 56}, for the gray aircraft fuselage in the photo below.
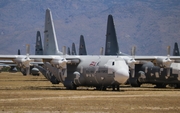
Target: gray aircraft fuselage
{"x": 149, "y": 73}
{"x": 94, "y": 71}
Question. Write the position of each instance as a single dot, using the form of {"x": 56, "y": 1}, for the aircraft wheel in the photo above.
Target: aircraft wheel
{"x": 114, "y": 87}
{"x": 160, "y": 86}
{"x": 118, "y": 88}
{"x": 134, "y": 82}
{"x": 101, "y": 88}
{"x": 177, "y": 86}
{"x": 72, "y": 87}
{"x": 98, "y": 88}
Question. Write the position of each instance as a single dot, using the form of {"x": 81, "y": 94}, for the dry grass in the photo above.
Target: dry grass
{"x": 35, "y": 94}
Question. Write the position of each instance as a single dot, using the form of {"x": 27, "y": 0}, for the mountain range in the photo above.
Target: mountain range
{"x": 150, "y": 25}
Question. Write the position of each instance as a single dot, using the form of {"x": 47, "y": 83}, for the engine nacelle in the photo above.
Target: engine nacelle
{"x": 78, "y": 80}
{"x": 59, "y": 63}
{"x": 23, "y": 62}
{"x": 163, "y": 62}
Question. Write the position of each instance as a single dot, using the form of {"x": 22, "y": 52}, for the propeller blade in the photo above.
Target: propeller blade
{"x": 27, "y": 70}
{"x": 168, "y": 72}
{"x": 168, "y": 51}
{"x": 101, "y": 50}
{"x": 132, "y": 73}
{"x": 133, "y": 51}
{"x": 64, "y": 50}
{"x": 27, "y": 49}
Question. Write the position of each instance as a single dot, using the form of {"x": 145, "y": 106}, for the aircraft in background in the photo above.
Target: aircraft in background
{"x": 176, "y": 50}
{"x": 82, "y": 46}
{"x": 41, "y": 67}
{"x": 68, "y": 51}
{"x": 90, "y": 70}
{"x": 39, "y": 51}
{"x": 146, "y": 72}
{"x": 74, "y": 71}
{"x": 73, "y": 49}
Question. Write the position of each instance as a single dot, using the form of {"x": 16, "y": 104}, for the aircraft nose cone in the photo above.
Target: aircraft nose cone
{"x": 122, "y": 75}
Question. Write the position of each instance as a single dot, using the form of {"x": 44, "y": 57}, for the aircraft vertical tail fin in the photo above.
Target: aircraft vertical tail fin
{"x": 111, "y": 46}
{"x": 50, "y": 41}
{"x": 73, "y": 49}
{"x": 19, "y": 52}
{"x": 68, "y": 51}
{"x": 82, "y": 46}
{"x": 38, "y": 46}
{"x": 176, "y": 50}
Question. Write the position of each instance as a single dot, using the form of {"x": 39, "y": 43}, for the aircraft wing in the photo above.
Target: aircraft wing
{"x": 76, "y": 59}
{"x": 153, "y": 58}
{"x": 55, "y": 60}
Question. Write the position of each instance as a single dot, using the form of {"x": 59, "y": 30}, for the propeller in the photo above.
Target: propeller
{"x": 60, "y": 62}
{"x": 27, "y": 60}
{"x": 24, "y": 62}
{"x": 169, "y": 61}
{"x": 165, "y": 62}
{"x": 131, "y": 62}
{"x": 101, "y": 50}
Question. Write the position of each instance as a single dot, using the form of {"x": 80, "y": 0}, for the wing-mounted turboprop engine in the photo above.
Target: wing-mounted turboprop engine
{"x": 165, "y": 62}
{"x": 24, "y": 63}
{"x": 131, "y": 62}
{"x": 61, "y": 64}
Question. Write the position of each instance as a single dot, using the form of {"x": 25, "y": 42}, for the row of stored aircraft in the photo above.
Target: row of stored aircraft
{"x": 100, "y": 71}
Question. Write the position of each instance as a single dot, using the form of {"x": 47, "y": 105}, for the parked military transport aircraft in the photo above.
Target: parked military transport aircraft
{"x": 39, "y": 51}
{"x": 146, "y": 72}
{"x": 76, "y": 70}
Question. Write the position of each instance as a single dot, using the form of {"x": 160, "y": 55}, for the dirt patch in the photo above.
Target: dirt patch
{"x": 20, "y": 93}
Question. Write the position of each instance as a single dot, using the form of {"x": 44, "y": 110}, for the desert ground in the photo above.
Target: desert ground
{"x": 26, "y": 94}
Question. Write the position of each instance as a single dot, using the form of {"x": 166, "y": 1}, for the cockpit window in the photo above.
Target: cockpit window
{"x": 113, "y": 63}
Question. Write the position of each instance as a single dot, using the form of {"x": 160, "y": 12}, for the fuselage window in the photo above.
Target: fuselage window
{"x": 113, "y": 63}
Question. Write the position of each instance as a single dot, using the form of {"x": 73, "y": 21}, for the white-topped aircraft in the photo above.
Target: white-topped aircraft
{"x": 90, "y": 70}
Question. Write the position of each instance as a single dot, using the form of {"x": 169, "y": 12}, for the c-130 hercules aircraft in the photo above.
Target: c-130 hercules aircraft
{"x": 145, "y": 72}
{"x": 97, "y": 71}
